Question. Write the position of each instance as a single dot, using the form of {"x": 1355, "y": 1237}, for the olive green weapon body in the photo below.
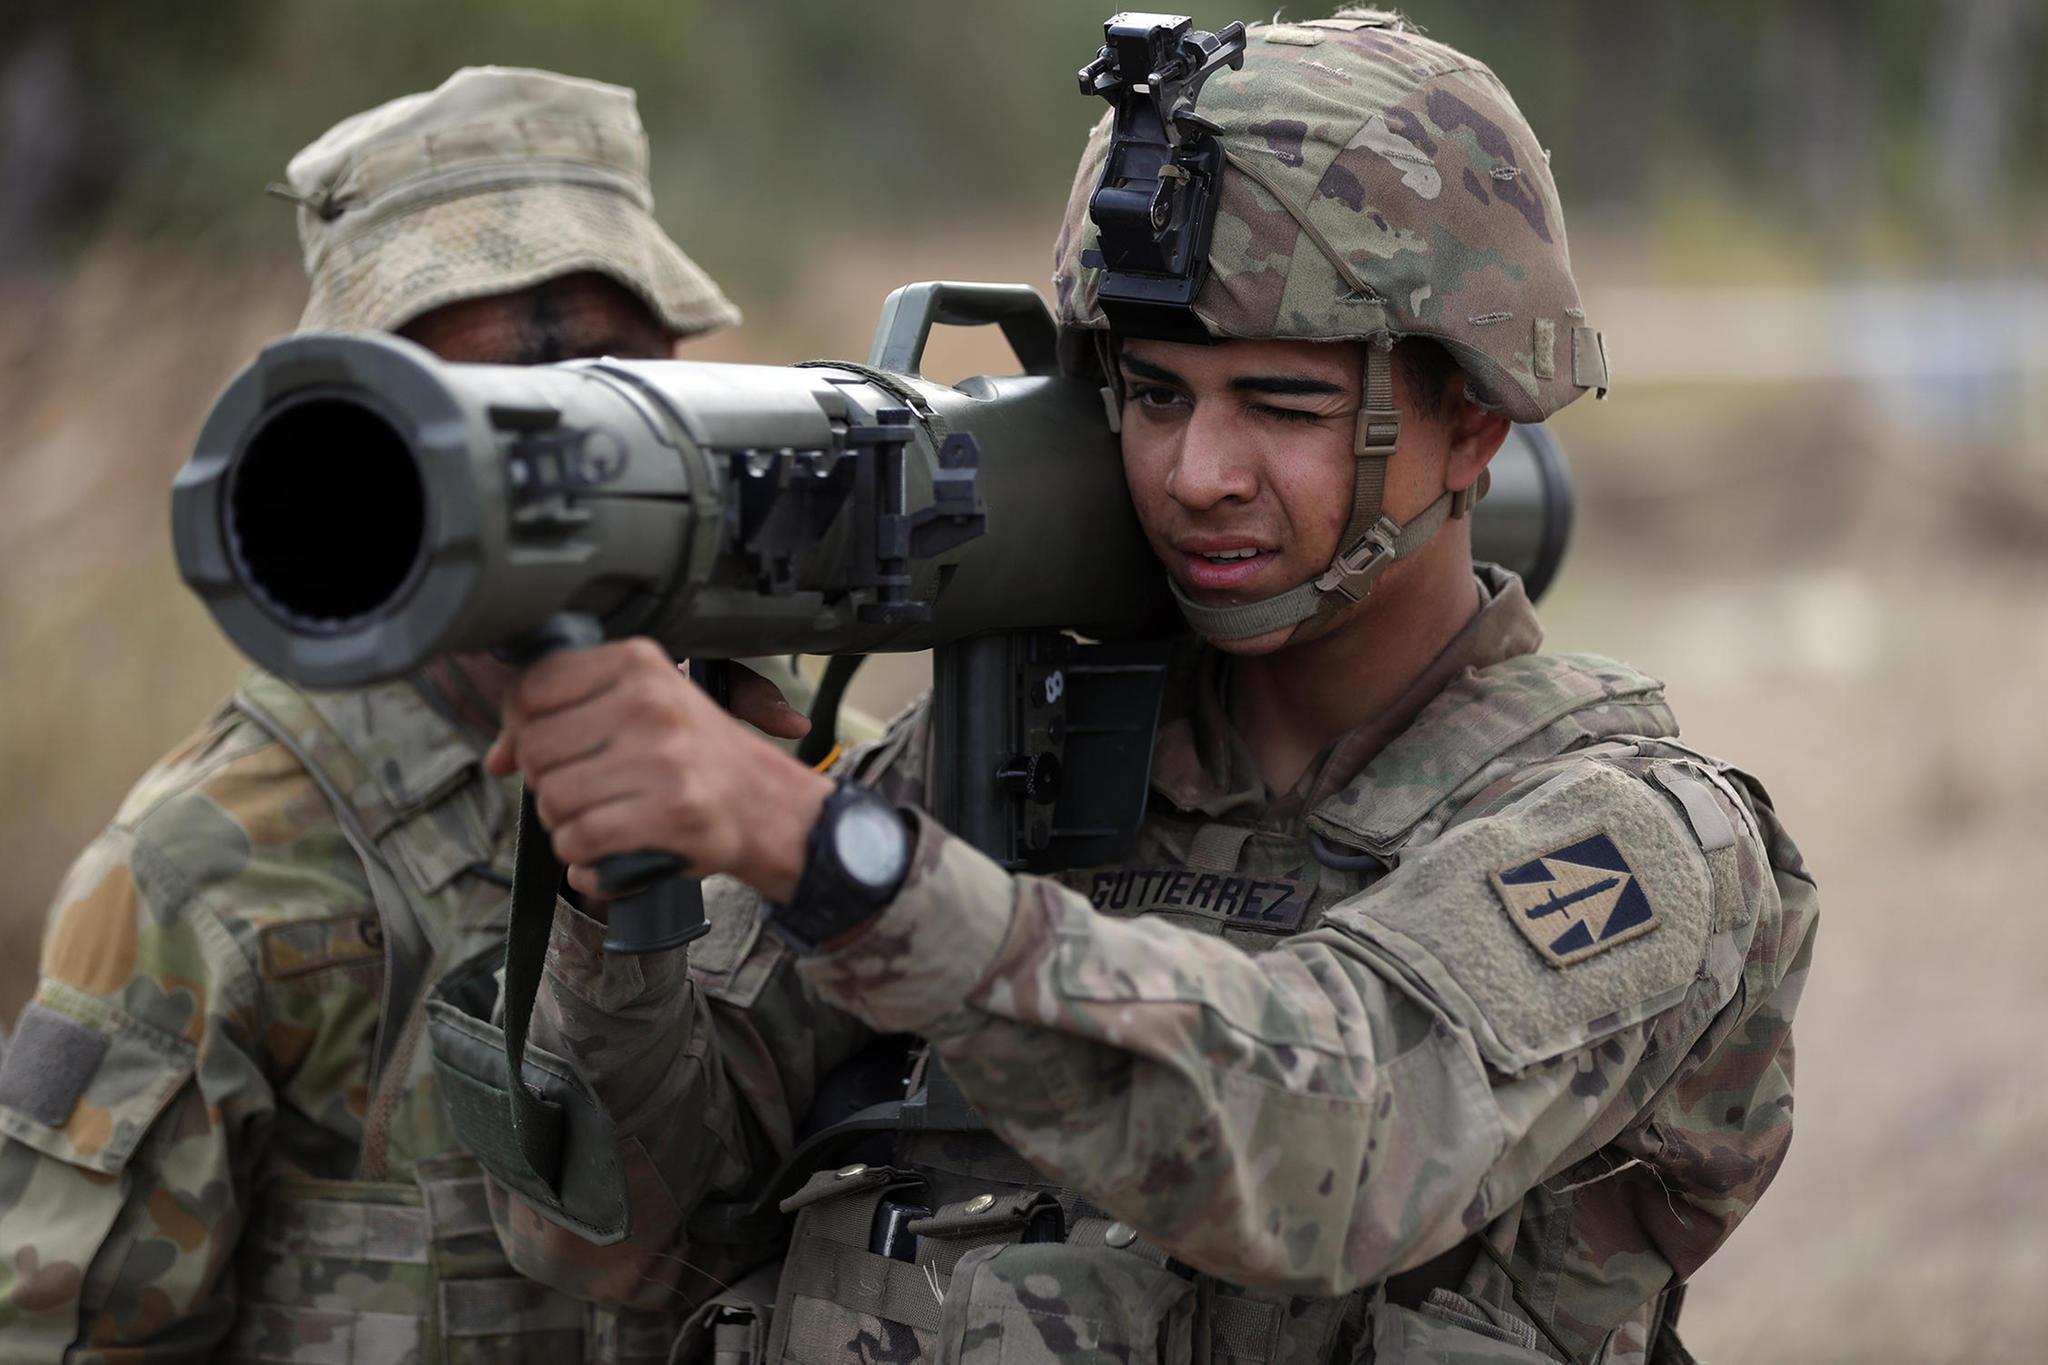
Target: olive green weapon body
{"x": 355, "y": 507}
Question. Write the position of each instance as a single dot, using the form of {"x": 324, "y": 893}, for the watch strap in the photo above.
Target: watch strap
{"x": 828, "y": 900}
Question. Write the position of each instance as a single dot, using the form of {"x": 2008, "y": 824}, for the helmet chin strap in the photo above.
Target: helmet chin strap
{"x": 1371, "y": 539}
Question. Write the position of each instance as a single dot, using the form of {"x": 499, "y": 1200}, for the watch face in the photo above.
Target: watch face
{"x": 871, "y": 844}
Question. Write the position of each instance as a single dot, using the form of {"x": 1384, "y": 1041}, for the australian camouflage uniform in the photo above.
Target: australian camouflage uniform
{"x": 220, "y": 1137}
{"x": 1472, "y": 1047}
{"x": 222, "y": 1140}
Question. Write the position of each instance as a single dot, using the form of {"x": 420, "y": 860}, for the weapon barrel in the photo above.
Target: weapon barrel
{"x": 355, "y": 507}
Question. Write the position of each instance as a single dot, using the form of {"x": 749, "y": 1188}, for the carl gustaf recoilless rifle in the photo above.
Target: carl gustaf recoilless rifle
{"x": 355, "y": 507}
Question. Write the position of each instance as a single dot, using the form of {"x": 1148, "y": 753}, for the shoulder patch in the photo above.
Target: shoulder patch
{"x": 1567, "y": 854}
{"x": 1576, "y": 900}
{"x": 48, "y": 1065}
{"x": 84, "y": 1080}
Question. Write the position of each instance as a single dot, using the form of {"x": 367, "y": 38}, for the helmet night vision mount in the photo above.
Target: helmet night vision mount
{"x": 1156, "y": 202}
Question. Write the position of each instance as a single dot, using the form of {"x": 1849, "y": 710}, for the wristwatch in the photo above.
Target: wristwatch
{"x": 854, "y": 864}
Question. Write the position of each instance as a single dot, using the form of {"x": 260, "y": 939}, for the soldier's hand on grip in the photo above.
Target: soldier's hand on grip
{"x": 624, "y": 753}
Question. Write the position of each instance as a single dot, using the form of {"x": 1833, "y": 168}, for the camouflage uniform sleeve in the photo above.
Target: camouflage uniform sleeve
{"x": 707, "y": 1058}
{"x": 1365, "y": 1096}
{"x": 137, "y": 1095}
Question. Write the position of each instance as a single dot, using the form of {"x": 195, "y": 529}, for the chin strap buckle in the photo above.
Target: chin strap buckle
{"x": 1466, "y": 498}
{"x": 1355, "y": 570}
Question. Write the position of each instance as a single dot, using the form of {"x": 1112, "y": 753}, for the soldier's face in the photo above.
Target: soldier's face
{"x": 1239, "y": 461}
{"x": 574, "y": 317}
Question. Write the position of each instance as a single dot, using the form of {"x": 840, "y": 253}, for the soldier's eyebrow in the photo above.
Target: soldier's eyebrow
{"x": 1158, "y": 374}
{"x": 548, "y": 338}
{"x": 1296, "y": 385}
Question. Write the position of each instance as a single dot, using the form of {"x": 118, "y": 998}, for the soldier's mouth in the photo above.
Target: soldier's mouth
{"x": 1223, "y": 568}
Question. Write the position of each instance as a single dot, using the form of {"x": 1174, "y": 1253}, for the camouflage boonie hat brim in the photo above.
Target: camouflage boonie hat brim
{"x": 1412, "y": 163}
{"x": 500, "y": 179}
{"x": 497, "y": 241}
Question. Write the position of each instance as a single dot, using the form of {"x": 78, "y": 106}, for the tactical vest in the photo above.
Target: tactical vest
{"x": 402, "y": 1263}
{"x": 939, "y": 1248}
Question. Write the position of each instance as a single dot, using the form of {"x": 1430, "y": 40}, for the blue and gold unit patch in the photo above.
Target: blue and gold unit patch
{"x": 1576, "y": 901}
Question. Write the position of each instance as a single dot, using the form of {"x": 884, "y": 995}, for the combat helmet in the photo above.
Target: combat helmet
{"x": 1375, "y": 185}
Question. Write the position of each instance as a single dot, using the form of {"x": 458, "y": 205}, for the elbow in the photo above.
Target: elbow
{"x": 648, "y": 1269}
{"x": 550, "y": 1254}
{"x": 1303, "y": 1228}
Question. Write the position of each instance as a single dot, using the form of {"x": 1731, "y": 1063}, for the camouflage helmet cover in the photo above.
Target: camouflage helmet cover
{"x": 1380, "y": 184}
{"x": 501, "y": 178}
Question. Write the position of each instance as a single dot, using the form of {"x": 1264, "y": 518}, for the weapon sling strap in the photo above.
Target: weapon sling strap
{"x": 530, "y": 1120}
{"x": 536, "y": 880}
{"x": 410, "y": 957}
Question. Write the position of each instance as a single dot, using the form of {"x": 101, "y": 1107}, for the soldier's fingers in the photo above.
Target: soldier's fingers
{"x": 627, "y": 825}
{"x": 596, "y": 832}
{"x": 644, "y": 710}
{"x": 577, "y": 786}
{"x": 760, "y": 703}
{"x": 565, "y": 737}
{"x": 571, "y": 677}
{"x": 583, "y": 877}
{"x": 500, "y": 759}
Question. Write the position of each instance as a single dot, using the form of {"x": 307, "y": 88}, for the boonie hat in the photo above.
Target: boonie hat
{"x": 498, "y": 180}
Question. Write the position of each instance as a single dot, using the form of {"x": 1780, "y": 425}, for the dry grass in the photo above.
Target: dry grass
{"x": 104, "y": 658}
{"x": 1887, "y": 687}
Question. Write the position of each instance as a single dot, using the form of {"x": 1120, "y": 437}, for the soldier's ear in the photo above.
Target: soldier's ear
{"x": 1474, "y": 435}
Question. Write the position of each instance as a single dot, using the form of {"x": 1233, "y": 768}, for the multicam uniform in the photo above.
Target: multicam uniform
{"x": 1470, "y": 1048}
{"x": 1499, "y": 996}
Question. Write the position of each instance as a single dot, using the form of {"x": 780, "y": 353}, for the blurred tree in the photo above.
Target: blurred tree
{"x": 91, "y": 100}
{"x": 1842, "y": 123}
{"x": 49, "y": 171}
{"x": 1974, "y": 101}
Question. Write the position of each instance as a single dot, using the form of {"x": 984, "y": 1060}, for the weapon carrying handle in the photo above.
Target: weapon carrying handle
{"x": 909, "y": 314}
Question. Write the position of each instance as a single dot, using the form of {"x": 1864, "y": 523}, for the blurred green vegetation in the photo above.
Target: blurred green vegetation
{"x": 1782, "y": 136}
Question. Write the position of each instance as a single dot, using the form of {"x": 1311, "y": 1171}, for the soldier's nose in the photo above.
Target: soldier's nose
{"x": 1211, "y": 469}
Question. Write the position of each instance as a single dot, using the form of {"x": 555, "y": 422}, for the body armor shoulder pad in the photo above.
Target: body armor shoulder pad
{"x": 1488, "y": 722}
